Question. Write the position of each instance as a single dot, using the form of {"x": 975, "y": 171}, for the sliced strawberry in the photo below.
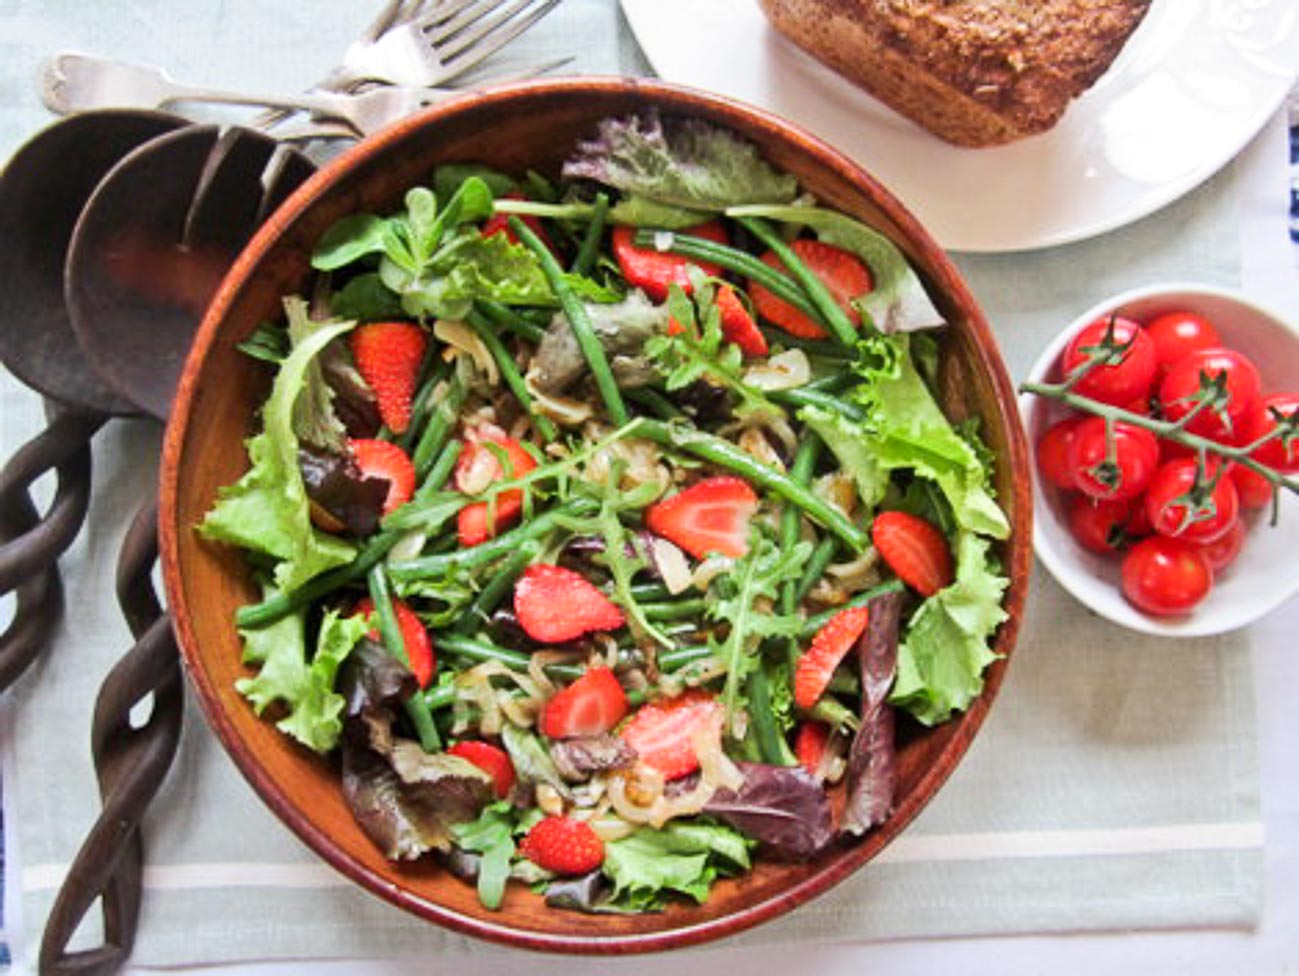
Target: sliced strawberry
{"x": 710, "y": 516}
{"x": 591, "y": 705}
{"x": 477, "y": 468}
{"x": 914, "y": 549}
{"x": 829, "y": 646}
{"x": 654, "y": 271}
{"x": 664, "y": 733}
{"x": 384, "y": 459}
{"x": 499, "y": 223}
{"x": 810, "y": 741}
{"x": 842, "y": 273}
{"x": 491, "y": 759}
{"x": 563, "y": 845}
{"x": 388, "y": 356}
{"x": 555, "y": 604}
{"x": 738, "y": 325}
{"x": 419, "y": 645}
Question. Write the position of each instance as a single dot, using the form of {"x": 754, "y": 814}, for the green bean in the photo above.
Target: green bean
{"x": 815, "y": 622}
{"x": 508, "y": 319}
{"x": 462, "y": 560}
{"x": 510, "y": 372}
{"x": 816, "y": 564}
{"x": 813, "y": 347}
{"x": 674, "y": 610}
{"x": 440, "y": 696}
{"x": 655, "y": 402}
{"x": 790, "y": 525}
{"x": 440, "y": 471}
{"x": 834, "y": 713}
{"x": 740, "y": 262}
{"x": 479, "y": 650}
{"x": 803, "y": 396}
{"x": 490, "y": 596}
{"x": 771, "y": 744}
{"x": 830, "y": 314}
{"x": 416, "y": 706}
{"x": 580, "y": 321}
{"x": 440, "y": 425}
{"x": 594, "y": 234}
{"x": 650, "y": 592}
{"x": 831, "y": 382}
{"x": 431, "y": 374}
{"x": 723, "y": 453}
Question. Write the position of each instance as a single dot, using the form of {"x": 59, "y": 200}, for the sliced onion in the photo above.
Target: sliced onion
{"x": 562, "y": 410}
{"x": 465, "y": 341}
{"x": 669, "y": 562}
{"x": 755, "y": 443}
{"x": 407, "y": 547}
{"x": 783, "y": 371}
{"x": 707, "y": 570}
{"x": 839, "y": 489}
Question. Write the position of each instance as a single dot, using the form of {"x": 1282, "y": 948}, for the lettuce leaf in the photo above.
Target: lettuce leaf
{"x": 306, "y": 689}
{"x": 942, "y": 657}
{"x": 267, "y": 510}
{"x": 683, "y": 163}
{"x": 684, "y": 857}
{"x": 898, "y": 301}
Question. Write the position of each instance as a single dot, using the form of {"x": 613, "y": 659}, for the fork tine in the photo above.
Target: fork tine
{"x": 467, "y": 14}
{"x": 445, "y": 10}
{"x": 470, "y": 48}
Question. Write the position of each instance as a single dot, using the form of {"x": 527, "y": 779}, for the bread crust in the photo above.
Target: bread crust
{"x": 974, "y": 72}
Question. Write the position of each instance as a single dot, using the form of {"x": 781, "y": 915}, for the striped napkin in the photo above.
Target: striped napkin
{"x": 1114, "y": 786}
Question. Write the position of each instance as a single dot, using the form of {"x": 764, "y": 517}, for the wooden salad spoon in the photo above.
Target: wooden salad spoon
{"x": 147, "y": 252}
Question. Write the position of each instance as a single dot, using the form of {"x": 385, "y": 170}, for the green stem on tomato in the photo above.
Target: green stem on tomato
{"x": 578, "y": 319}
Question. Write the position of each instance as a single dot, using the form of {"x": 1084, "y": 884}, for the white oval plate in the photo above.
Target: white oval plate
{"x": 1193, "y": 85}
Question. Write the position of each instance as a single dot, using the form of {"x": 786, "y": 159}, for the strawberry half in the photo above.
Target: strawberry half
{"x": 388, "y": 356}
{"x": 664, "y": 733}
{"x": 384, "y": 459}
{"x": 829, "y": 646}
{"x": 477, "y": 468}
{"x": 914, "y": 549}
{"x": 654, "y": 271}
{"x": 840, "y": 271}
{"x": 738, "y": 325}
{"x": 591, "y": 705}
{"x": 810, "y": 741}
{"x": 710, "y": 516}
{"x": 419, "y": 645}
{"x": 563, "y": 845}
{"x": 555, "y": 604}
{"x": 491, "y": 759}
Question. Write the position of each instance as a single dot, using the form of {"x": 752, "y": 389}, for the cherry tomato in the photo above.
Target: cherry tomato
{"x": 1130, "y": 378}
{"x": 1136, "y": 455}
{"x": 1223, "y": 552}
{"x": 1253, "y": 489}
{"x": 1053, "y": 451}
{"x": 1165, "y": 576}
{"x": 1099, "y": 526}
{"x": 1168, "y": 511}
{"x": 1275, "y": 454}
{"x": 1177, "y": 334}
{"x": 1182, "y": 381}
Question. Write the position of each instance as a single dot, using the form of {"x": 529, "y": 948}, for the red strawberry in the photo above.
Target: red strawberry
{"x": 419, "y": 645}
{"x": 388, "y": 356}
{"x": 563, "y": 845}
{"x": 829, "y": 646}
{"x": 476, "y": 469}
{"x": 591, "y": 705}
{"x": 710, "y": 516}
{"x": 555, "y": 604}
{"x": 809, "y": 744}
{"x": 384, "y": 459}
{"x": 738, "y": 325}
{"x": 914, "y": 549}
{"x": 663, "y": 733}
{"x": 842, "y": 273}
{"x": 491, "y": 759}
{"x": 653, "y": 271}
{"x": 499, "y": 223}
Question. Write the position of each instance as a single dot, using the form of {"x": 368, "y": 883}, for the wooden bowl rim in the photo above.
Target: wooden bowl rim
{"x": 670, "y": 98}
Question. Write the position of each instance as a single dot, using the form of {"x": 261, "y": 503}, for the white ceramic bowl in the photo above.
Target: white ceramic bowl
{"x": 1266, "y": 573}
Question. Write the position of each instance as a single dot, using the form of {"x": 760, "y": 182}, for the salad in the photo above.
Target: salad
{"x": 608, "y": 525}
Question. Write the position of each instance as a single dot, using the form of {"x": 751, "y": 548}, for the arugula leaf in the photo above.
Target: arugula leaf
{"x": 685, "y": 163}
{"x": 898, "y": 301}
{"x": 942, "y": 657}
{"x": 684, "y": 857}
{"x": 306, "y": 689}
{"x": 267, "y": 510}
{"x": 492, "y": 836}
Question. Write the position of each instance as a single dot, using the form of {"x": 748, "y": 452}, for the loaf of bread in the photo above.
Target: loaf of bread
{"x": 975, "y": 72}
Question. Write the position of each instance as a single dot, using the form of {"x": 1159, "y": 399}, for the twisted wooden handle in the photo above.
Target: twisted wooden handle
{"x": 30, "y": 544}
{"x": 131, "y": 762}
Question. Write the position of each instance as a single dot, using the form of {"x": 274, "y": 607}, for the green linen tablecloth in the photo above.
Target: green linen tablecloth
{"x": 1114, "y": 786}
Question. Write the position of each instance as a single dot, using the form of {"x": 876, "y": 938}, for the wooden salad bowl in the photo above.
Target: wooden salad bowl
{"x": 514, "y": 128}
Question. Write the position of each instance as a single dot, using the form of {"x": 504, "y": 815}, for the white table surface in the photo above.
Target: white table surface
{"x": 1272, "y": 949}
